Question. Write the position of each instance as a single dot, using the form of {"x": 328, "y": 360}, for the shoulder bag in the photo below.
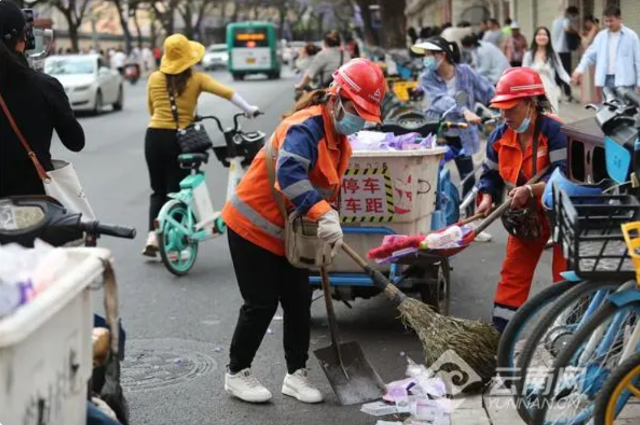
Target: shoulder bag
{"x": 62, "y": 182}
{"x": 303, "y": 248}
{"x": 194, "y": 138}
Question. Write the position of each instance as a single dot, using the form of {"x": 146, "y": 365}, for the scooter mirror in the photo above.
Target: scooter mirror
{"x": 461, "y": 98}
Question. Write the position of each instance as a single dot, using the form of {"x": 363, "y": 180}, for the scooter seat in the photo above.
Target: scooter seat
{"x": 193, "y": 159}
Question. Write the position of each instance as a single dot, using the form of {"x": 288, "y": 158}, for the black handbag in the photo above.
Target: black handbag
{"x": 194, "y": 138}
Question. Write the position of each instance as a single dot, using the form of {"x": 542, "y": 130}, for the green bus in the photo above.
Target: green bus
{"x": 253, "y": 49}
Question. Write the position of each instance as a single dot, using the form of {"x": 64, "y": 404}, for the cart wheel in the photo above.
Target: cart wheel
{"x": 437, "y": 293}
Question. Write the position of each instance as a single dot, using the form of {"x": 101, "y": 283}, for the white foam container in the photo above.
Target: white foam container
{"x": 46, "y": 348}
{"x": 414, "y": 181}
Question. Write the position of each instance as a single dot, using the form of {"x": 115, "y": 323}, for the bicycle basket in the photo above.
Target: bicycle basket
{"x": 588, "y": 230}
{"x": 248, "y": 149}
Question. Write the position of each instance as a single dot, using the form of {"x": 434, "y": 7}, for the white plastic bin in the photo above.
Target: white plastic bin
{"x": 46, "y": 348}
{"x": 390, "y": 189}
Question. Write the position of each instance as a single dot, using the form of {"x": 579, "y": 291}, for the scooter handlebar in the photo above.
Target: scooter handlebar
{"x": 629, "y": 94}
{"x": 450, "y": 124}
{"x": 95, "y": 227}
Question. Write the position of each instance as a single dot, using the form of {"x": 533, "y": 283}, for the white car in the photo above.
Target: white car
{"x": 88, "y": 82}
{"x": 215, "y": 57}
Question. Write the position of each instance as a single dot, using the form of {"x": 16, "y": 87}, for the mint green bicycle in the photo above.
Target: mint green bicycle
{"x": 189, "y": 218}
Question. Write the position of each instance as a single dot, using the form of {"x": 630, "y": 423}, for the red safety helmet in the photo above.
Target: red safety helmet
{"x": 516, "y": 84}
{"x": 363, "y": 82}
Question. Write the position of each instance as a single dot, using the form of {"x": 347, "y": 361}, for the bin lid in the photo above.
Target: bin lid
{"x": 398, "y": 154}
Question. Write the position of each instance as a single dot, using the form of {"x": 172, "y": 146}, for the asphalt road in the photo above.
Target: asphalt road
{"x": 179, "y": 329}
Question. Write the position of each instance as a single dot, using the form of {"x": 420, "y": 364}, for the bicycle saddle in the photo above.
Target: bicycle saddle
{"x": 193, "y": 159}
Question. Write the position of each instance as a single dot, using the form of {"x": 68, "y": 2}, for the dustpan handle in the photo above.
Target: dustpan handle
{"x": 506, "y": 204}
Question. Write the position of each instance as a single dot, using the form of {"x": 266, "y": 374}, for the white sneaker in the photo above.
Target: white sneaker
{"x": 151, "y": 248}
{"x": 299, "y": 387}
{"x": 484, "y": 237}
{"x": 246, "y": 387}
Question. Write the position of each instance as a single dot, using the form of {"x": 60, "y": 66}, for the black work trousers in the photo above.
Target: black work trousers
{"x": 161, "y": 151}
{"x": 266, "y": 279}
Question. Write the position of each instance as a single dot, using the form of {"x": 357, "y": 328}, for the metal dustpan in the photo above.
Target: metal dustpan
{"x": 351, "y": 376}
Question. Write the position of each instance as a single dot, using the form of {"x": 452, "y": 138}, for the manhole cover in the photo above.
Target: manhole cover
{"x": 154, "y": 364}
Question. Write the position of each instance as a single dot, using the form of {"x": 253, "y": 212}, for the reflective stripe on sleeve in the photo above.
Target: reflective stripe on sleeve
{"x": 299, "y": 159}
{"x": 492, "y": 165}
{"x": 299, "y": 188}
{"x": 558, "y": 155}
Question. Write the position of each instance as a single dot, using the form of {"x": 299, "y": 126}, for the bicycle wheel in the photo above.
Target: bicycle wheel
{"x": 623, "y": 383}
{"x": 580, "y": 370}
{"x": 177, "y": 249}
{"x": 555, "y": 328}
{"x": 515, "y": 331}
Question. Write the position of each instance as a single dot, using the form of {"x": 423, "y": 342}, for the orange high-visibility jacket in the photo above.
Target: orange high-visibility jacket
{"x": 312, "y": 159}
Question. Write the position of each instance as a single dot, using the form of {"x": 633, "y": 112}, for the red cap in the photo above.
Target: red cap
{"x": 516, "y": 84}
{"x": 363, "y": 82}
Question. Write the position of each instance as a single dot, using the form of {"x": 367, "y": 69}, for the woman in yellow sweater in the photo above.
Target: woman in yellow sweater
{"x": 161, "y": 148}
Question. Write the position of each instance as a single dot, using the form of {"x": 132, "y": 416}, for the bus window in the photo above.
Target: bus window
{"x": 250, "y": 37}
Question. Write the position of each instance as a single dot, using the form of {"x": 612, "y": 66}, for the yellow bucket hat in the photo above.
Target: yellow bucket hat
{"x": 180, "y": 54}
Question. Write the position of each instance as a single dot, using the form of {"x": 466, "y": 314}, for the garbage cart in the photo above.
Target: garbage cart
{"x": 386, "y": 193}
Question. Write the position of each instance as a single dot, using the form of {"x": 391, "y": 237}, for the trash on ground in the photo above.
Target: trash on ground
{"x": 398, "y": 390}
{"x": 421, "y": 395}
{"x": 218, "y": 350}
{"x": 378, "y": 408}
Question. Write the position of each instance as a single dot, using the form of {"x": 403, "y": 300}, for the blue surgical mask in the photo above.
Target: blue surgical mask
{"x": 430, "y": 63}
{"x": 524, "y": 126}
{"x": 350, "y": 123}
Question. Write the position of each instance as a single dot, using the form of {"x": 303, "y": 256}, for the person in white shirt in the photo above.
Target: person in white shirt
{"x": 494, "y": 33}
{"x": 487, "y": 59}
{"x": 119, "y": 60}
{"x": 615, "y": 52}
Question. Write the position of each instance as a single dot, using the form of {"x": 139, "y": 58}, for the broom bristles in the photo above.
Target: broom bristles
{"x": 474, "y": 341}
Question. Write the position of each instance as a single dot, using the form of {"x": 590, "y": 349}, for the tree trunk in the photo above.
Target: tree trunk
{"x": 153, "y": 33}
{"x": 365, "y": 13}
{"x": 283, "y": 16}
{"x": 187, "y": 17}
{"x": 73, "y": 36}
{"x": 124, "y": 24}
{"x": 73, "y": 28}
{"x": 138, "y": 29}
{"x": 394, "y": 23}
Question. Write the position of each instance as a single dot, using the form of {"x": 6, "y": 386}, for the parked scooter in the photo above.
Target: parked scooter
{"x": 132, "y": 73}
